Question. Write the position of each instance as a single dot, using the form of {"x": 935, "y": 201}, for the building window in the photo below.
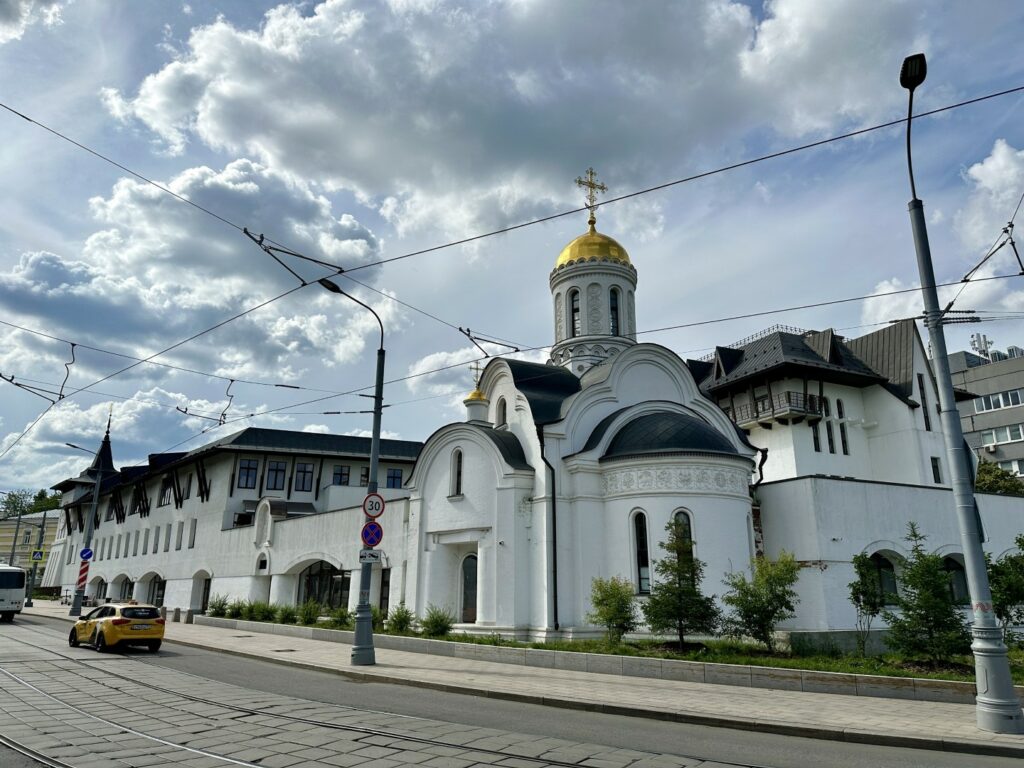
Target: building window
{"x": 394, "y": 478}
{"x": 1009, "y": 434}
{"x": 1009, "y": 399}
{"x": 364, "y": 476}
{"x": 340, "y": 474}
{"x": 643, "y": 563}
{"x": 186, "y": 489}
{"x": 275, "y": 475}
{"x": 385, "y": 591}
{"x": 885, "y": 574}
{"x": 181, "y": 532}
{"x": 167, "y": 538}
{"x": 145, "y": 541}
{"x": 326, "y": 585}
{"x": 156, "y": 539}
{"x": 501, "y": 414}
{"x": 924, "y": 402}
{"x": 192, "y": 533}
{"x": 247, "y": 469}
{"x": 574, "y": 313}
{"x": 815, "y": 436}
{"x": 456, "y": 474}
{"x": 166, "y": 491}
{"x": 469, "y": 590}
{"x": 957, "y": 581}
{"x": 682, "y": 520}
{"x": 843, "y": 440}
{"x": 303, "y": 476}
{"x": 27, "y": 538}
{"x": 827, "y": 410}
{"x": 135, "y": 544}
{"x": 613, "y": 313}
{"x": 936, "y": 470}
{"x": 117, "y": 547}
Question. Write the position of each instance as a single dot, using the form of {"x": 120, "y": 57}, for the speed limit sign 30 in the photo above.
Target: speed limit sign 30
{"x": 373, "y": 505}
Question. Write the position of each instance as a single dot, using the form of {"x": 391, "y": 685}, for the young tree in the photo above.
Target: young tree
{"x": 614, "y": 606}
{"x": 676, "y": 603}
{"x": 43, "y": 501}
{"x": 928, "y": 624}
{"x": 760, "y": 603}
{"x": 866, "y": 596}
{"x": 14, "y": 502}
{"x": 1006, "y": 579}
{"x": 992, "y": 478}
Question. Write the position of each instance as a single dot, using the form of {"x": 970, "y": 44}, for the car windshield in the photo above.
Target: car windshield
{"x": 12, "y": 580}
{"x": 140, "y": 613}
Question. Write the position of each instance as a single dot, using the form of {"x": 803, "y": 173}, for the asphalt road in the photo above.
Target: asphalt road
{"x": 702, "y": 742}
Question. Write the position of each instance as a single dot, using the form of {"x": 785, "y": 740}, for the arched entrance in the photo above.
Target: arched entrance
{"x": 325, "y": 584}
{"x": 199, "y": 600}
{"x": 469, "y": 589}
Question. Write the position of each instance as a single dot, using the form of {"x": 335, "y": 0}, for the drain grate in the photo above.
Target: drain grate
{"x": 283, "y": 650}
{"x": 243, "y": 635}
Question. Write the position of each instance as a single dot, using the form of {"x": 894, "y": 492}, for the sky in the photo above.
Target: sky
{"x": 355, "y": 132}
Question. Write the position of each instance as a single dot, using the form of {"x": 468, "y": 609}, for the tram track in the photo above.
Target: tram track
{"x": 397, "y": 735}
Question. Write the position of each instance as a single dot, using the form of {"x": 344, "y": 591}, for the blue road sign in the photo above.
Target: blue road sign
{"x": 37, "y": 555}
{"x": 372, "y": 533}
{"x": 86, "y": 554}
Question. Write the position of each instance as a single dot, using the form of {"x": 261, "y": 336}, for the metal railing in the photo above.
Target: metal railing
{"x": 780, "y": 404}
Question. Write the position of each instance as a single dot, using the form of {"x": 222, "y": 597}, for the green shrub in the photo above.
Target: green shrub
{"x": 287, "y": 614}
{"x": 867, "y": 597}
{"x": 246, "y": 611}
{"x": 613, "y": 606}
{"x": 309, "y": 612}
{"x": 376, "y": 619}
{"x": 218, "y": 606}
{"x": 400, "y": 620}
{"x": 235, "y": 609}
{"x": 341, "y": 618}
{"x": 437, "y": 622}
{"x": 760, "y": 603}
{"x": 262, "y": 611}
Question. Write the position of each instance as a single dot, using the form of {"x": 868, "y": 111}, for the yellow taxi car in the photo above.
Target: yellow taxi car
{"x": 114, "y": 624}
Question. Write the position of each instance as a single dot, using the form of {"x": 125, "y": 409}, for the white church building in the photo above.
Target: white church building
{"x": 560, "y": 473}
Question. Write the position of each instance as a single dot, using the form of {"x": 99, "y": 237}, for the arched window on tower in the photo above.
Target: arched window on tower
{"x": 501, "y": 413}
{"x": 575, "y": 329}
{"x": 643, "y": 561}
{"x": 456, "y": 473}
{"x": 613, "y": 310}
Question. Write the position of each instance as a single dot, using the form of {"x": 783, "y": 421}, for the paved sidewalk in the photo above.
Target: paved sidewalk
{"x": 891, "y": 722}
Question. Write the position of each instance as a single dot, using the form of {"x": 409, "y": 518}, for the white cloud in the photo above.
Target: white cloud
{"x": 17, "y": 15}
{"x": 443, "y": 373}
{"x": 384, "y": 433}
{"x": 320, "y": 429}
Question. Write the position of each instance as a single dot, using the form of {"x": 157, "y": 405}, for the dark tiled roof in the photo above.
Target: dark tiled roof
{"x": 890, "y": 352}
{"x": 545, "y": 387}
{"x": 285, "y": 441}
{"x": 508, "y": 446}
{"x": 819, "y": 354}
{"x": 667, "y": 433}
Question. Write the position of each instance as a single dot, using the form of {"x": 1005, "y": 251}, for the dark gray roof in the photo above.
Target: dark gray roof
{"x": 665, "y": 432}
{"x": 285, "y": 441}
{"x": 508, "y": 446}
{"x": 890, "y": 352}
{"x": 819, "y": 354}
{"x": 545, "y": 387}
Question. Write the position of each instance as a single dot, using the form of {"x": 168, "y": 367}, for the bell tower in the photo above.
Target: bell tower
{"x": 592, "y": 289}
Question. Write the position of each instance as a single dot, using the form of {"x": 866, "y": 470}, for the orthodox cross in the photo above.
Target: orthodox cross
{"x": 593, "y": 186}
{"x": 476, "y": 369}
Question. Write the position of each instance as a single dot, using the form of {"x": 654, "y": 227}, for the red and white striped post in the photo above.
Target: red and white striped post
{"x": 83, "y": 575}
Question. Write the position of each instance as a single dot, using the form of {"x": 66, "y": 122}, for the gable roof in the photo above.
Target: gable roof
{"x": 545, "y": 387}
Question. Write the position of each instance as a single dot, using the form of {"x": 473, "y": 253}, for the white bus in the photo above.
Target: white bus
{"x": 12, "y": 591}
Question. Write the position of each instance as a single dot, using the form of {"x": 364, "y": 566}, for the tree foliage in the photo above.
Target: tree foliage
{"x": 992, "y": 478}
{"x": 928, "y": 625}
{"x": 613, "y": 606}
{"x": 866, "y": 596}
{"x": 1006, "y": 580}
{"x": 13, "y": 503}
{"x": 761, "y": 602}
{"x": 43, "y": 501}
{"x": 676, "y": 603}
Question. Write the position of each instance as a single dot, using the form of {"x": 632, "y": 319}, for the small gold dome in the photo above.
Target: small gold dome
{"x": 476, "y": 394}
{"x": 592, "y": 245}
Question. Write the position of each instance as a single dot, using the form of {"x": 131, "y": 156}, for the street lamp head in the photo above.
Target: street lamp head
{"x": 914, "y": 71}
{"x": 79, "y": 448}
{"x": 329, "y": 285}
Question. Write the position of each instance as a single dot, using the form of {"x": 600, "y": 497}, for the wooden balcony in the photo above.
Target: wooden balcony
{"x": 780, "y": 408}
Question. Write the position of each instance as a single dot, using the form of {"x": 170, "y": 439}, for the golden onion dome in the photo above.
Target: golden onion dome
{"x": 592, "y": 246}
{"x": 476, "y": 394}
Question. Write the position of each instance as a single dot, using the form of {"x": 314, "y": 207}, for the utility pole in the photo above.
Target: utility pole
{"x": 997, "y": 706}
{"x": 35, "y": 565}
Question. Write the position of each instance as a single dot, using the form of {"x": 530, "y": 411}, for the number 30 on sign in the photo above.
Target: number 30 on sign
{"x": 373, "y": 505}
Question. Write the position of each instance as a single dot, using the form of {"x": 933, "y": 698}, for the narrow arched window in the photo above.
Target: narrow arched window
{"x": 469, "y": 566}
{"x": 843, "y": 439}
{"x": 643, "y": 563}
{"x": 684, "y": 534}
{"x": 574, "y": 314}
{"x": 456, "y": 481}
{"x": 885, "y": 574}
{"x": 501, "y": 416}
{"x": 613, "y": 310}
{"x": 957, "y": 581}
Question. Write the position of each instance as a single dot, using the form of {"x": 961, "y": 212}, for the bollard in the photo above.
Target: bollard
{"x": 177, "y": 615}
{"x": 163, "y": 612}
{"x": 188, "y": 616}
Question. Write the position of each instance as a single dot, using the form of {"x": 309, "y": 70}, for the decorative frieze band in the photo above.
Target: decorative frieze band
{"x": 706, "y": 478}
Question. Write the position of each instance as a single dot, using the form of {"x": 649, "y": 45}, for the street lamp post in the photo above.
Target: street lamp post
{"x": 35, "y": 565}
{"x": 362, "y": 645}
{"x": 998, "y": 708}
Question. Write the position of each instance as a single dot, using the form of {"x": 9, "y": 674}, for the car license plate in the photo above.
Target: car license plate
{"x": 142, "y": 626}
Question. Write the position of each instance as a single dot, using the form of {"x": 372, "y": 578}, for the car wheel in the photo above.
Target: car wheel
{"x": 101, "y": 643}
{"x": 73, "y": 638}
{"x": 154, "y": 646}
